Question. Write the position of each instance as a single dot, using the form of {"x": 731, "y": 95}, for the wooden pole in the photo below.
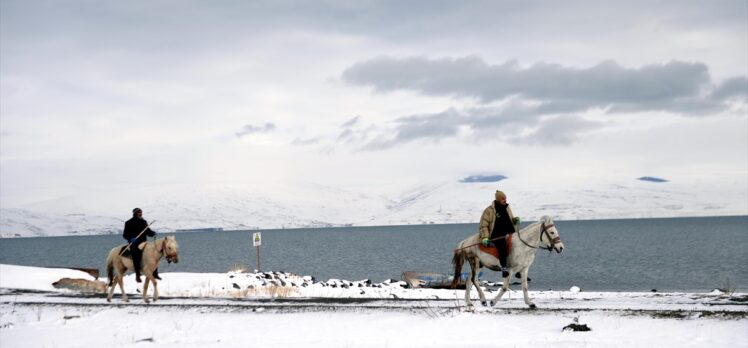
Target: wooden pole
{"x": 257, "y": 241}
{"x": 258, "y": 259}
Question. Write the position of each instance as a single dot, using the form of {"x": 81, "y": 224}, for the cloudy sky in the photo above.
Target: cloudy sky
{"x": 120, "y": 94}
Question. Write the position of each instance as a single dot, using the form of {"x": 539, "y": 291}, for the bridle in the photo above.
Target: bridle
{"x": 543, "y": 232}
{"x": 169, "y": 257}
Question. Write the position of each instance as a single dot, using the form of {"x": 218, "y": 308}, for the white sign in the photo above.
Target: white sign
{"x": 257, "y": 239}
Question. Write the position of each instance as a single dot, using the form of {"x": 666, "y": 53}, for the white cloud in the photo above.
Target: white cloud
{"x": 127, "y": 94}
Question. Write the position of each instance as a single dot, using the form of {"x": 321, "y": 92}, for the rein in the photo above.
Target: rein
{"x": 543, "y": 231}
{"x": 479, "y": 243}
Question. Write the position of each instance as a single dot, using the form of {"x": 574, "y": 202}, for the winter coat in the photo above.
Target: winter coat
{"x": 133, "y": 227}
{"x": 488, "y": 220}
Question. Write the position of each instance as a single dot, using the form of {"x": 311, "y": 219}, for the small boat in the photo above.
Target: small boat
{"x": 432, "y": 280}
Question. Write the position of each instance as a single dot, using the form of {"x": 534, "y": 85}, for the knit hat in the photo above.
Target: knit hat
{"x": 499, "y": 195}
{"x": 137, "y": 210}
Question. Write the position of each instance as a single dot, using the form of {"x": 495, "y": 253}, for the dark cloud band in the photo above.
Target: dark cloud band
{"x": 250, "y": 129}
{"x": 676, "y": 86}
{"x": 539, "y": 103}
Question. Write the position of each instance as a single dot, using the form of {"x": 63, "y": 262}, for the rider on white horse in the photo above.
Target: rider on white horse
{"x": 496, "y": 223}
{"x": 133, "y": 233}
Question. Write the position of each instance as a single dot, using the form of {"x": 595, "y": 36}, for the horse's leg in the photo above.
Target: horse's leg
{"x": 111, "y": 285}
{"x": 475, "y": 264}
{"x": 111, "y": 289}
{"x": 504, "y": 288}
{"x": 121, "y": 269}
{"x": 121, "y": 282}
{"x": 523, "y": 273}
{"x": 468, "y": 285}
{"x": 110, "y": 276}
{"x": 145, "y": 289}
{"x": 155, "y": 289}
{"x": 150, "y": 278}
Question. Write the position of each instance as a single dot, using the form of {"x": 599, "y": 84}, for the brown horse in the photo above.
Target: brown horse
{"x": 152, "y": 254}
{"x": 540, "y": 235}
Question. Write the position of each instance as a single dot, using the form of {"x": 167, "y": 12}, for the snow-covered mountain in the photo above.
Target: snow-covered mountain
{"x": 312, "y": 205}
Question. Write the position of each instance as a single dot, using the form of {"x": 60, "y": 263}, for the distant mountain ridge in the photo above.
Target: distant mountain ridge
{"x": 652, "y": 179}
{"x": 310, "y": 205}
{"x": 483, "y": 178}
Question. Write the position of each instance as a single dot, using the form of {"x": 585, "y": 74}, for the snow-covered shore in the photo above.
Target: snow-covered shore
{"x": 280, "y": 310}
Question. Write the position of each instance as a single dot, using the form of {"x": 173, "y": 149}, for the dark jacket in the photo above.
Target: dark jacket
{"x": 489, "y": 220}
{"x": 133, "y": 227}
{"x": 503, "y": 224}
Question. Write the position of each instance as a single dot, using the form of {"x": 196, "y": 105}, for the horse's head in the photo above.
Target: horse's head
{"x": 550, "y": 232}
{"x": 170, "y": 248}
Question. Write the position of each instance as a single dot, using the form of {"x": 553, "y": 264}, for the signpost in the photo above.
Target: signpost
{"x": 257, "y": 240}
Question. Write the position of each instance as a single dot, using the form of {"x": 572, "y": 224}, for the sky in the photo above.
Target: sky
{"x": 110, "y": 94}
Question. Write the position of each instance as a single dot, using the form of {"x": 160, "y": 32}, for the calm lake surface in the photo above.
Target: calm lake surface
{"x": 674, "y": 254}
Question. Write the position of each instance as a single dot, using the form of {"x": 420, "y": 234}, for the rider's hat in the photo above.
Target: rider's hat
{"x": 137, "y": 210}
{"x": 499, "y": 195}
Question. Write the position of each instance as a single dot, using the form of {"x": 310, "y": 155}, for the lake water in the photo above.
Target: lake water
{"x": 678, "y": 254}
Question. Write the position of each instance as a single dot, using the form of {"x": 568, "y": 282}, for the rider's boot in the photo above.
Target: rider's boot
{"x": 137, "y": 277}
{"x": 155, "y": 274}
{"x": 503, "y": 263}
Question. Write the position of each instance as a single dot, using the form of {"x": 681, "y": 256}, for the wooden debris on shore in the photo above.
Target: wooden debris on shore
{"x": 432, "y": 280}
{"x": 82, "y": 285}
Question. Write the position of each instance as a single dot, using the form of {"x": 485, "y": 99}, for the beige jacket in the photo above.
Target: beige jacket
{"x": 488, "y": 219}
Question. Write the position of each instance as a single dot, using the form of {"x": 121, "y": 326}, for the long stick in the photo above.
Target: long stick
{"x": 139, "y": 234}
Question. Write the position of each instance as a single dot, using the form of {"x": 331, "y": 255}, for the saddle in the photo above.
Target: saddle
{"x": 494, "y": 251}
{"x": 125, "y": 252}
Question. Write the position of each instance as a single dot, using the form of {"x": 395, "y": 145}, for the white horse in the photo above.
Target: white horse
{"x": 152, "y": 254}
{"x": 525, "y": 243}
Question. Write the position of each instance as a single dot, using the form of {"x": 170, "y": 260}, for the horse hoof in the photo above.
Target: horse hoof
{"x": 533, "y": 306}
{"x": 490, "y": 303}
{"x": 484, "y": 303}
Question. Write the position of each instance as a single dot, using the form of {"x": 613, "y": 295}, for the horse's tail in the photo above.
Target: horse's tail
{"x": 457, "y": 259}
{"x": 110, "y": 268}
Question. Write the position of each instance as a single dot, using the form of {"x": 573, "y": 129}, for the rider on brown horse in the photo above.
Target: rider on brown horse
{"x": 133, "y": 227}
{"x": 496, "y": 222}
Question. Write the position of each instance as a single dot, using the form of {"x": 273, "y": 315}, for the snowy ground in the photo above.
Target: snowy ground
{"x": 281, "y": 310}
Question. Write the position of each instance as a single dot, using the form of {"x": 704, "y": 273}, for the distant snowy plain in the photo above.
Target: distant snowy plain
{"x": 176, "y": 207}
